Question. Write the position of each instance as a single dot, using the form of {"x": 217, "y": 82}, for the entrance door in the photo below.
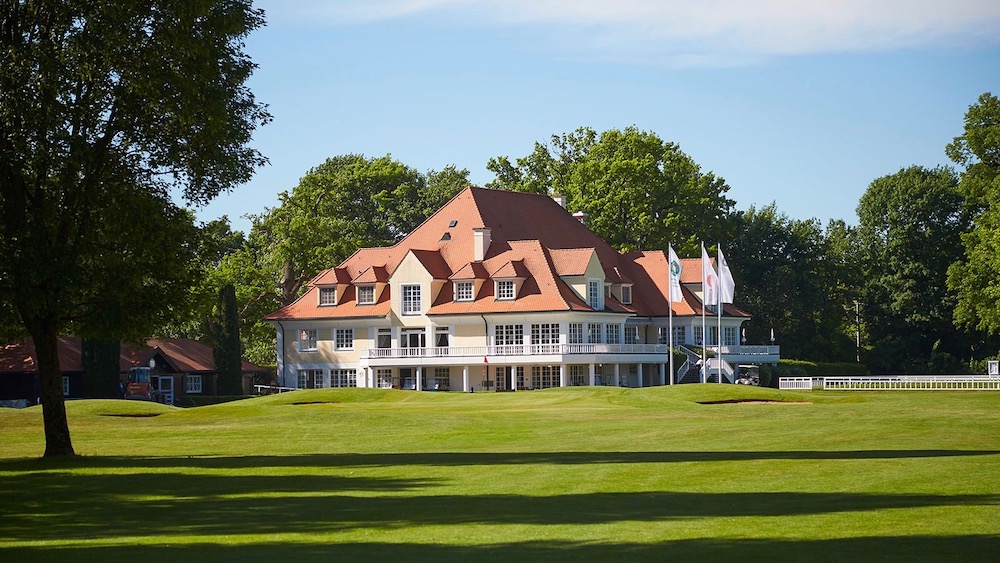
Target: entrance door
{"x": 166, "y": 387}
{"x": 414, "y": 341}
{"x": 406, "y": 380}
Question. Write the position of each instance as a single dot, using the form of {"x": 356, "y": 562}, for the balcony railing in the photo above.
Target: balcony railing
{"x": 515, "y": 350}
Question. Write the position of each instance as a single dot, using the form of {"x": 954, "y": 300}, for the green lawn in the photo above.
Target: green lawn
{"x": 563, "y": 474}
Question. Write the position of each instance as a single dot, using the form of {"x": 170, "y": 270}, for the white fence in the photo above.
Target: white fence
{"x": 895, "y": 383}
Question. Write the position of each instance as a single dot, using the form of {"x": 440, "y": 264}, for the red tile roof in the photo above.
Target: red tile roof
{"x": 529, "y": 229}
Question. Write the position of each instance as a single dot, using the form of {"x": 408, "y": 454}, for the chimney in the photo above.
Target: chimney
{"x": 580, "y": 216}
{"x": 481, "y": 243}
{"x": 560, "y": 199}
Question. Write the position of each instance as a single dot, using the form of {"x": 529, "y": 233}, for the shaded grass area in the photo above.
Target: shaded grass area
{"x": 592, "y": 474}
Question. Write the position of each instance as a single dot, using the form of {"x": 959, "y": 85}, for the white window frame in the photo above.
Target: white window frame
{"x": 574, "y": 334}
{"x": 410, "y": 299}
{"x": 545, "y": 333}
{"x": 343, "y": 339}
{"x": 383, "y": 336}
{"x": 366, "y": 294}
{"x": 680, "y": 335}
{"x": 594, "y": 333}
{"x": 595, "y": 297}
{"x": 383, "y": 378}
{"x": 464, "y": 291}
{"x": 308, "y": 340}
{"x": 343, "y": 378}
{"x": 508, "y": 335}
{"x": 193, "y": 384}
{"x": 506, "y": 290}
{"x": 626, "y": 294}
{"x": 631, "y": 334}
{"x": 613, "y": 333}
{"x": 327, "y": 296}
{"x": 730, "y": 337}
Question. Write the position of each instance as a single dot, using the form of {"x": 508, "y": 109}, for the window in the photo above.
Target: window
{"x": 307, "y": 340}
{"x": 343, "y": 378}
{"x": 576, "y": 333}
{"x": 384, "y": 377}
{"x": 319, "y": 379}
{"x": 730, "y": 334}
{"x": 544, "y": 377}
{"x": 627, "y": 294}
{"x": 463, "y": 291}
{"x": 698, "y": 334}
{"x": 442, "y": 379}
{"x": 505, "y": 290}
{"x": 344, "y": 339}
{"x": 327, "y": 296}
{"x": 679, "y": 335}
{"x": 307, "y": 378}
{"x": 65, "y": 386}
{"x": 662, "y": 333}
{"x": 593, "y": 333}
{"x": 441, "y": 337}
{"x": 631, "y": 334}
{"x": 411, "y": 299}
{"x": 384, "y": 338}
{"x": 508, "y": 335}
{"x": 577, "y": 375}
{"x": 594, "y": 295}
{"x": 192, "y": 384}
{"x": 614, "y": 334}
{"x": 713, "y": 335}
{"x": 545, "y": 334}
{"x": 366, "y": 294}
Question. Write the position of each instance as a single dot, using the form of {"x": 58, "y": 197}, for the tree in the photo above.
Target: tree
{"x": 794, "y": 278}
{"x": 976, "y": 276}
{"x": 910, "y": 229}
{"x": 101, "y": 367}
{"x": 346, "y": 203}
{"x": 228, "y": 353}
{"x": 638, "y": 191}
{"x": 105, "y": 108}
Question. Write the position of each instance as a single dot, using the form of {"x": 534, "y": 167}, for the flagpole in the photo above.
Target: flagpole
{"x": 704, "y": 297}
{"x": 718, "y": 335}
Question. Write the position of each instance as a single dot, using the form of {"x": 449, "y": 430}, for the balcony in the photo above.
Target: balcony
{"x": 542, "y": 352}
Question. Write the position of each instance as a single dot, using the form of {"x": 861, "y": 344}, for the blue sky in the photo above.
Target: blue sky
{"x": 798, "y": 103}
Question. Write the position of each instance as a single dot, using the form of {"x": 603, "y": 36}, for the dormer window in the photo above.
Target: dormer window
{"x": 627, "y": 294}
{"x": 464, "y": 291}
{"x": 594, "y": 295}
{"x": 327, "y": 296}
{"x": 366, "y": 294}
{"x": 505, "y": 290}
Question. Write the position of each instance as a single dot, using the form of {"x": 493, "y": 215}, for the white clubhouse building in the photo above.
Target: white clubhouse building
{"x": 500, "y": 290}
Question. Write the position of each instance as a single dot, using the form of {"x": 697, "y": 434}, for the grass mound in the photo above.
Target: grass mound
{"x": 116, "y": 407}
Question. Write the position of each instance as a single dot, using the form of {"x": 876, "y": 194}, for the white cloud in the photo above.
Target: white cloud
{"x": 700, "y": 29}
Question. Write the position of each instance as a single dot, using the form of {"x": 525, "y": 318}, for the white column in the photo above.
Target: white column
{"x": 617, "y": 380}
{"x": 639, "y": 371}
{"x": 513, "y": 378}
{"x": 420, "y": 376}
{"x": 281, "y": 357}
{"x": 465, "y": 379}
{"x": 562, "y": 375}
{"x": 593, "y": 375}
{"x": 663, "y": 373}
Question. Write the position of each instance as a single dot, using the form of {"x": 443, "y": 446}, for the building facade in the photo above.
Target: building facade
{"x": 499, "y": 291}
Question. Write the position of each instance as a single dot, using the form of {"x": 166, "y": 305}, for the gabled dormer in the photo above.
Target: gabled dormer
{"x": 331, "y": 286}
{"x": 468, "y": 281}
{"x": 581, "y": 269}
{"x": 417, "y": 281}
{"x": 508, "y": 280}
{"x": 369, "y": 285}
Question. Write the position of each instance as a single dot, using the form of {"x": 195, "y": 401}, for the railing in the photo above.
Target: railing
{"x": 271, "y": 389}
{"x": 795, "y": 383}
{"x": 515, "y": 350}
{"x": 749, "y": 350}
{"x": 895, "y": 383}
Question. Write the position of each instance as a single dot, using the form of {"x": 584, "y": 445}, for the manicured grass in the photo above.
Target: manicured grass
{"x": 563, "y": 474}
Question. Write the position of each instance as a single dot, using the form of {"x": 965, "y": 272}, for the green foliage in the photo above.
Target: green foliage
{"x": 976, "y": 277}
{"x": 101, "y": 368}
{"x": 108, "y": 107}
{"x": 797, "y": 279}
{"x": 346, "y": 203}
{"x": 227, "y": 351}
{"x": 910, "y": 232}
{"x": 638, "y": 191}
{"x": 803, "y": 367}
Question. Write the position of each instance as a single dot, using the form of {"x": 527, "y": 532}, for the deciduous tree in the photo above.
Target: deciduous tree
{"x": 105, "y": 108}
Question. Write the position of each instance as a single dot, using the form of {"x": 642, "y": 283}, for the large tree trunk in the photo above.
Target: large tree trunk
{"x": 57, "y": 440}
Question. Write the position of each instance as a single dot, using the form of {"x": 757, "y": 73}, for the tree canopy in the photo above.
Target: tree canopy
{"x": 105, "y": 108}
{"x": 638, "y": 191}
{"x": 976, "y": 277}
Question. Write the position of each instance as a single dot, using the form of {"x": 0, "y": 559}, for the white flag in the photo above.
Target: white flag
{"x": 728, "y": 289}
{"x": 675, "y": 276}
{"x": 709, "y": 281}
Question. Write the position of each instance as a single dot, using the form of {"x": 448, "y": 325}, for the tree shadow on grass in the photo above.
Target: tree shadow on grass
{"x": 957, "y": 548}
{"x": 448, "y": 459}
